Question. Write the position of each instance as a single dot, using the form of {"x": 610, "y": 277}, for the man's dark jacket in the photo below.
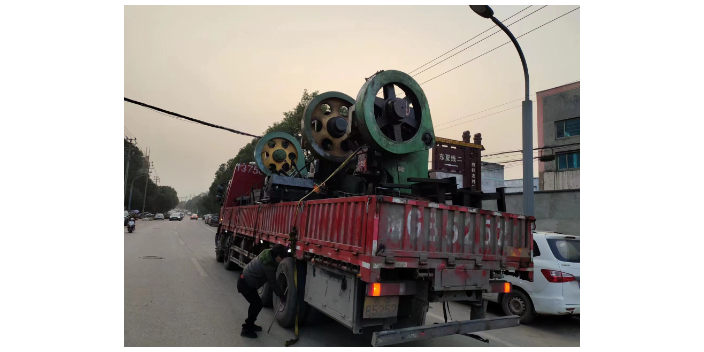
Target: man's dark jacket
{"x": 262, "y": 269}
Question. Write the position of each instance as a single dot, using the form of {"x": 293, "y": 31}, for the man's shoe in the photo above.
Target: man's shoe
{"x": 248, "y": 333}
{"x": 252, "y": 327}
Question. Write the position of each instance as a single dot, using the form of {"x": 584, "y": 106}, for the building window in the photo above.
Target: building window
{"x": 567, "y": 128}
{"x": 568, "y": 161}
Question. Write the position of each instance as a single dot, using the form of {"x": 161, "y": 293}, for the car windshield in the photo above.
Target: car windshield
{"x": 565, "y": 250}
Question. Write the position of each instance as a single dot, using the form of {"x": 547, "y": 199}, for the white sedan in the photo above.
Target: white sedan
{"x": 555, "y": 287}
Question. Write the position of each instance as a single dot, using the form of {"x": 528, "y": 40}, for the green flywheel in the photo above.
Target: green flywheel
{"x": 391, "y": 122}
{"x": 279, "y": 152}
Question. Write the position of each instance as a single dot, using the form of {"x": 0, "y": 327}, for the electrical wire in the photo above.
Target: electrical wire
{"x": 498, "y": 112}
{"x": 534, "y": 149}
{"x": 512, "y": 101}
{"x": 188, "y": 118}
{"x": 534, "y": 29}
{"x": 488, "y": 29}
{"x": 463, "y": 117}
{"x": 487, "y": 37}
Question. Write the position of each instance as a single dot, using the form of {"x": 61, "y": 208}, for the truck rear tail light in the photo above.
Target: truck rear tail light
{"x": 557, "y": 276}
{"x": 404, "y": 288}
{"x": 376, "y": 289}
{"x": 507, "y": 287}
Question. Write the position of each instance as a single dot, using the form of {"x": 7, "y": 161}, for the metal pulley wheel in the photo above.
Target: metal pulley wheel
{"x": 394, "y": 123}
{"x": 278, "y": 153}
{"x": 326, "y": 126}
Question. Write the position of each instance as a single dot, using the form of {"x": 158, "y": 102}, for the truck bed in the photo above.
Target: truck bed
{"x": 374, "y": 233}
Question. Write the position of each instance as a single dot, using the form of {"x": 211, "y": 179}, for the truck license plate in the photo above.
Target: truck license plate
{"x": 380, "y": 307}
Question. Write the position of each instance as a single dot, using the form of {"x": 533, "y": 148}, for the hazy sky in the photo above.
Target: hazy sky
{"x": 242, "y": 66}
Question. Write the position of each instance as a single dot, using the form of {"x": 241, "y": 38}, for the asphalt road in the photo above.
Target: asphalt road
{"x": 186, "y": 298}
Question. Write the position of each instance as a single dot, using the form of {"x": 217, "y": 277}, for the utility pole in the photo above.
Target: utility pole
{"x": 146, "y": 183}
{"x": 127, "y": 169}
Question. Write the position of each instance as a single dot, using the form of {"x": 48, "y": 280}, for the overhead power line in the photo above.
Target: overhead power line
{"x": 463, "y": 117}
{"x": 534, "y": 29}
{"x": 487, "y": 37}
{"x": 479, "y": 112}
{"x": 444, "y": 128}
{"x": 188, "y": 118}
{"x": 539, "y": 148}
{"x": 470, "y": 39}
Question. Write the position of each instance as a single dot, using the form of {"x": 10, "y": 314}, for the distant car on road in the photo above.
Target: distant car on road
{"x": 159, "y": 216}
{"x": 175, "y": 216}
{"x": 555, "y": 287}
{"x": 194, "y": 217}
{"x": 214, "y": 220}
{"x": 206, "y": 217}
{"x": 189, "y": 213}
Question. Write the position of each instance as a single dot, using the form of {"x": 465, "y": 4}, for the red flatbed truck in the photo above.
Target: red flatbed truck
{"x": 369, "y": 261}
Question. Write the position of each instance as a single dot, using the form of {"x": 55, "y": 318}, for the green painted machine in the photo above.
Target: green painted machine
{"x": 378, "y": 143}
{"x": 392, "y": 134}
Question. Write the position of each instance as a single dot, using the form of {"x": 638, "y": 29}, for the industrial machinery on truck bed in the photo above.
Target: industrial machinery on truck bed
{"x": 373, "y": 238}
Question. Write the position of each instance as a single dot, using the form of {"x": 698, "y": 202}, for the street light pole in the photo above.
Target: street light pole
{"x": 528, "y": 197}
{"x": 129, "y": 204}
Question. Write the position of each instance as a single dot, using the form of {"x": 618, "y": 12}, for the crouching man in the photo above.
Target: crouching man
{"x": 259, "y": 271}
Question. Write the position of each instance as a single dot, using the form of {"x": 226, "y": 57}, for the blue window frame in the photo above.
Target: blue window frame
{"x": 567, "y": 161}
{"x": 567, "y": 128}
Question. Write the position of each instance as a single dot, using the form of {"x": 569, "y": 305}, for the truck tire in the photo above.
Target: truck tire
{"x": 286, "y": 314}
{"x": 518, "y": 303}
{"x": 265, "y": 293}
{"x": 229, "y": 265}
{"x": 219, "y": 251}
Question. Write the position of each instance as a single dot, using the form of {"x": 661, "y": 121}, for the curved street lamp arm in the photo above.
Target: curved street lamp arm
{"x": 518, "y": 48}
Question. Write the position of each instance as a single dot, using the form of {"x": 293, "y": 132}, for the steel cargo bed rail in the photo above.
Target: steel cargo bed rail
{"x": 417, "y": 333}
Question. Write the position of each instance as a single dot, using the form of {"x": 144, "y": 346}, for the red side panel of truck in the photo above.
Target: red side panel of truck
{"x": 379, "y": 233}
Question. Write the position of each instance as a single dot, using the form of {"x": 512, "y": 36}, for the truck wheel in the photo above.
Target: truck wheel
{"x": 286, "y": 314}
{"x": 265, "y": 293}
{"x": 518, "y": 303}
{"x": 219, "y": 252}
{"x": 229, "y": 265}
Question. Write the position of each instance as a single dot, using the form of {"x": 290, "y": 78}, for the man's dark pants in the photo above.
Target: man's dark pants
{"x": 251, "y": 295}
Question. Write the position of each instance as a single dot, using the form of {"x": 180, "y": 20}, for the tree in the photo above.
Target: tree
{"x": 159, "y": 198}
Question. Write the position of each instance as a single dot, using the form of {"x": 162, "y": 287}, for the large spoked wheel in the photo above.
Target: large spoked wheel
{"x": 518, "y": 303}
{"x": 325, "y": 126}
{"x": 279, "y": 153}
{"x": 396, "y": 123}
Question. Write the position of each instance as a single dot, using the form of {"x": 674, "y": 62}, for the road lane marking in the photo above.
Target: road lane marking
{"x": 200, "y": 269}
{"x": 181, "y": 241}
{"x": 486, "y": 334}
{"x": 208, "y": 228}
